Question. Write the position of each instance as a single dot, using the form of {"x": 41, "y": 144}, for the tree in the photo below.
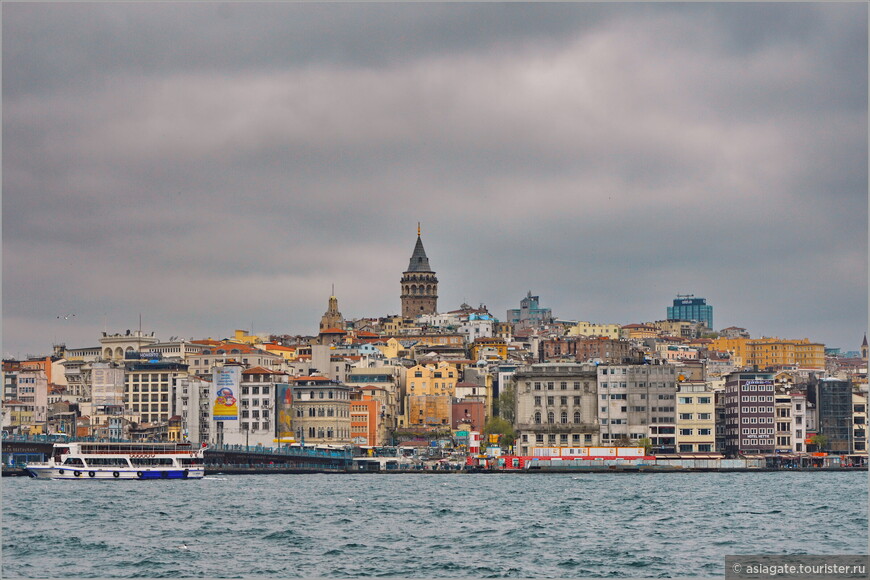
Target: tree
{"x": 624, "y": 441}
{"x": 646, "y": 443}
{"x": 501, "y": 427}
{"x": 506, "y": 403}
{"x": 820, "y": 441}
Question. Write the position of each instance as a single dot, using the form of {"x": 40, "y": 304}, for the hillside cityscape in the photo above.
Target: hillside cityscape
{"x": 529, "y": 384}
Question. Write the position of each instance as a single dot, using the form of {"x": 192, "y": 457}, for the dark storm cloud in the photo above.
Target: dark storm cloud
{"x": 218, "y": 164}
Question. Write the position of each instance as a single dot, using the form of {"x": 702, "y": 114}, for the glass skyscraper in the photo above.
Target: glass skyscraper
{"x": 687, "y": 307}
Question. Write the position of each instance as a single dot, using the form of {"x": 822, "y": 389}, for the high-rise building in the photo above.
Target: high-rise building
{"x": 687, "y": 307}
{"x": 419, "y": 284}
{"x": 749, "y": 413}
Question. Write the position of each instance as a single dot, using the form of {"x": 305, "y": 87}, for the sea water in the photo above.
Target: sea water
{"x": 426, "y": 525}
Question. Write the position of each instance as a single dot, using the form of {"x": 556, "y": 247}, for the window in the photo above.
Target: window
{"x": 564, "y": 417}
{"x": 576, "y": 400}
{"x": 537, "y": 417}
{"x": 537, "y": 401}
{"x": 577, "y": 417}
{"x": 551, "y": 417}
{"x": 563, "y": 400}
{"x": 686, "y": 400}
{"x": 685, "y": 416}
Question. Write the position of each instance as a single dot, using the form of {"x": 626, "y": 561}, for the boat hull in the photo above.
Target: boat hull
{"x": 102, "y": 473}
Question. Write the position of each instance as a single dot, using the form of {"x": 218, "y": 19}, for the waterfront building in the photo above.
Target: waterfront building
{"x": 696, "y": 418}
{"x": 368, "y": 421}
{"x": 687, "y": 307}
{"x": 419, "y": 284}
{"x": 321, "y": 411}
{"x": 859, "y": 421}
{"x": 193, "y": 404}
{"x": 149, "y": 390}
{"x": 257, "y": 413}
{"x": 590, "y": 329}
{"x": 749, "y": 413}
{"x": 832, "y": 400}
{"x": 555, "y": 406}
{"x": 636, "y": 402}
{"x": 790, "y": 430}
{"x": 391, "y": 380}
{"x": 529, "y": 314}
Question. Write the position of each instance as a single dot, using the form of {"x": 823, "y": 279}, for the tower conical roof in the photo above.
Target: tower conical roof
{"x": 419, "y": 261}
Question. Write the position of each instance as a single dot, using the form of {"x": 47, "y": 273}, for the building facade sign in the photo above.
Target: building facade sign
{"x": 225, "y": 406}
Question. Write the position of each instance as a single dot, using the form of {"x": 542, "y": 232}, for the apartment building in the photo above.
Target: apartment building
{"x": 556, "y": 406}
{"x": 636, "y": 402}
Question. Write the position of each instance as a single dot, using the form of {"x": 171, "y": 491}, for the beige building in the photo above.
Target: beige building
{"x": 610, "y": 331}
{"x": 696, "y": 418}
{"x": 321, "y": 411}
{"x": 556, "y": 406}
{"x": 115, "y": 346}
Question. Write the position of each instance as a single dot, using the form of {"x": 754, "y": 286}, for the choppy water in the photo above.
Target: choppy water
{"x": 426, "y": 526}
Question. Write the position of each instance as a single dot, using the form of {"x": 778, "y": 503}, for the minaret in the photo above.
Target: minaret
{"x": 332, "y": 318}
{"x": 419, "y": 284}
{"x": 864, "y": 348}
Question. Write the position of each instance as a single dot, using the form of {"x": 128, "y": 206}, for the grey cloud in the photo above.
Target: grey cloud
{"x": 605, "y": 157}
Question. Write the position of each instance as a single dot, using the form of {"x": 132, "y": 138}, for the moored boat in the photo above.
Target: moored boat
{"x": 92, "y": 460}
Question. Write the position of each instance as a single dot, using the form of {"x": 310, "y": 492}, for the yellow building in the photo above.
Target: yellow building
{"x": 499, "y": 345}
{"x": 696, "y": 418}
{"x": 771, "y": 353}
{"x": 430, "y": 390}
{"x": 589, "y": 329}
{"x": 243, "y": 337}
{"x": 637, "y": 331}
{"x": 428, "y": 410}
{"x": 289, "y": 353}
{"x": 430, "y": 379}
{"x": 391, "y": 349}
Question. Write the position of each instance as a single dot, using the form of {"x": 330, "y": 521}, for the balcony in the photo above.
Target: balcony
{"x": 557, "y": 427}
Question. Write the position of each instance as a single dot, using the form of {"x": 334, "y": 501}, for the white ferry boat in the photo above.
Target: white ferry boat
{"x": 85, "y": 460}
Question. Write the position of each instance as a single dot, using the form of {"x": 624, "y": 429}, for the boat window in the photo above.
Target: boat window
{"x": 74, "y": 461}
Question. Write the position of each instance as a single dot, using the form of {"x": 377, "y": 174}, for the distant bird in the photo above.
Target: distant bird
{"x": 67, "y": 317}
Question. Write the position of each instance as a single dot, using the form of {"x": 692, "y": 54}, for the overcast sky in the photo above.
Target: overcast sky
{"x": 221, "y": 166}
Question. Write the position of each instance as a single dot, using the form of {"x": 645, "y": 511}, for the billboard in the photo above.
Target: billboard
{"x": 107, "y": 386}
{"x": 225, "y": 405}
{"x": 284, "y": 409}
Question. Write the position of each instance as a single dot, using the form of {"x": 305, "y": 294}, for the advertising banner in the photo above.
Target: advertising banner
{"x": 284, "y": 409}
{"x": 107, "y": 386}
{"x": 225, "y": 405}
